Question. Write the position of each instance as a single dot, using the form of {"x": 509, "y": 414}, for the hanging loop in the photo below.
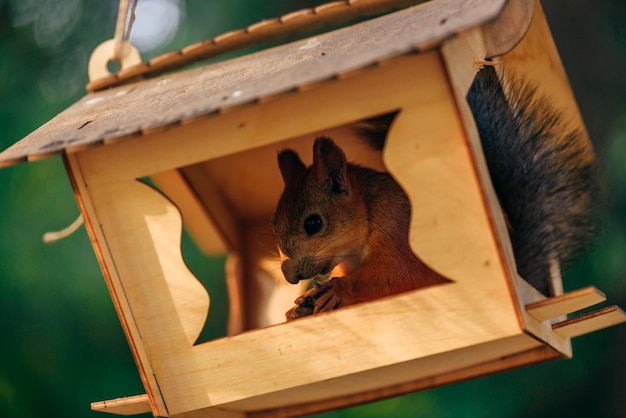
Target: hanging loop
{"x": 117, "y": 49}
{"x": 104, "y": 54}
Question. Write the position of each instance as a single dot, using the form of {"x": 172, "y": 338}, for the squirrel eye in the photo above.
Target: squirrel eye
{"x": 313, "y": 224}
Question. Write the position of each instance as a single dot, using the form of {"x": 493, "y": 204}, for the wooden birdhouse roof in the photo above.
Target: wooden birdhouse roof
{"x": 132, "y": 110}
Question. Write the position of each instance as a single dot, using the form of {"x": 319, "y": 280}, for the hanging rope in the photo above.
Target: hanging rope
{"x": 50, "y": 237}
{"x": 123, "y": 28}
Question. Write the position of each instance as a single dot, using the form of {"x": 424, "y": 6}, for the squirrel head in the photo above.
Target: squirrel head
{"x": 320, "y": 220}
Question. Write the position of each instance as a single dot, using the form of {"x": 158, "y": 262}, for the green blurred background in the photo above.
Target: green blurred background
{"x": 61, "y": 344}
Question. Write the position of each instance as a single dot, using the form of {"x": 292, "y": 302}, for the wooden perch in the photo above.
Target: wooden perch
{"x": 565, "y": 304}
{"x": 590, "y": 322}
{"x": 130, "y": 405}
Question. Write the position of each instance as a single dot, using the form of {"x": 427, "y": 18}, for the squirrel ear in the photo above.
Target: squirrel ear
{"x": 290, "y": 165}
{"x": 329, "y": 162}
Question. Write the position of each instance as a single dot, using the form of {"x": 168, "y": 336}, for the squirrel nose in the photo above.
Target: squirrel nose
{"x": 299, "y": 269}
{"x": 289, "y": 269}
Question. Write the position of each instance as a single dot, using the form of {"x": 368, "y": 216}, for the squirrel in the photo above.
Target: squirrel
{"x": 338, "y": 216}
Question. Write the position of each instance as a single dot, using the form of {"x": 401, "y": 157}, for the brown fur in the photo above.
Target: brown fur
{"x": 364, "y": 228}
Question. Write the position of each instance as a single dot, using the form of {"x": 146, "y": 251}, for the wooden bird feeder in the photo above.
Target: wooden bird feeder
{"x": 208, "y": 138}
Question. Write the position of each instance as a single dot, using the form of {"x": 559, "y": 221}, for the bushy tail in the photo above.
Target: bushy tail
{"x": 543, "y": 173}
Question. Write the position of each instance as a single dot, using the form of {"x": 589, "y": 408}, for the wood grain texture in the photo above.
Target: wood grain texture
{"x": 450, "y": 228}
{"x": 130, "y": 111}
{"x": 111, "y": 276}
{"x": 536, "y": 355}
{"x": 130, "y": 405}
{"x": 504, "y": 33}
{"x": 537, "y": 59}
{"x": 454, "y": 16}
{"x": 591, "y": 322}
{"x": 565, "y": 304}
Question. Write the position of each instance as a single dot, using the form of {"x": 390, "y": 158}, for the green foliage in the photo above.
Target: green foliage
{"x": 62, "y": 346}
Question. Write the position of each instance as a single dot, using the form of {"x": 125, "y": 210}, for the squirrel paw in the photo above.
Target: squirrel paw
{"x": 321, "y": 298}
